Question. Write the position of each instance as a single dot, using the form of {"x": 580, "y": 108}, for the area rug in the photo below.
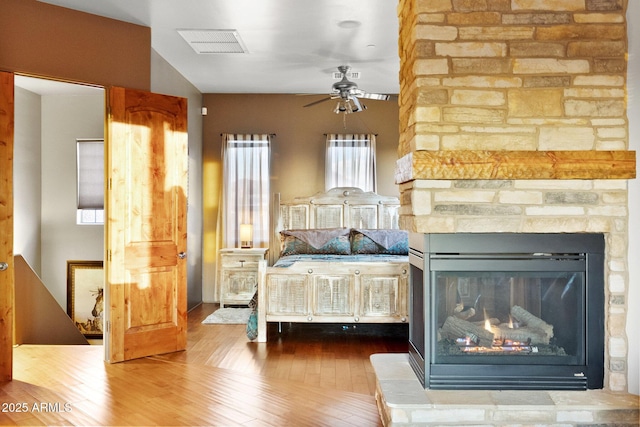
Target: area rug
{"x": 229, "y": 315}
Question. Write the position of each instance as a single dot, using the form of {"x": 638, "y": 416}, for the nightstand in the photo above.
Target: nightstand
{"x": 238, "y": 274}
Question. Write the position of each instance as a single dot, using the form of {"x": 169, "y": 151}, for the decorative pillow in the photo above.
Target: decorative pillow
{"x": 373, "y": 241}
{"x": 333, "y": 241}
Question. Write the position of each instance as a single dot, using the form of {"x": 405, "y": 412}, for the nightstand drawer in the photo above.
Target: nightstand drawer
{"x": 234, "y": 261}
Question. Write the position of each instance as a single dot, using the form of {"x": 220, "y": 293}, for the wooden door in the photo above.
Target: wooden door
{"x": 145, "y": 228}
{"x": 6, "y": 226}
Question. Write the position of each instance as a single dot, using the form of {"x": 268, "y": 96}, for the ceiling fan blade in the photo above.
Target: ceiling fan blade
{"x": 317, "y": 102}
{"x": 377, "y": 96}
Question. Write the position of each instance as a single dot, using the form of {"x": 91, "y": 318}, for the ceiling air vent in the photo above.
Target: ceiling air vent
{"x": 214, "y": 41}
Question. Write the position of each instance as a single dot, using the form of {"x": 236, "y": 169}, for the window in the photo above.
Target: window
{"x": 246, "y": 187}
{"x": 90, "y": 174}
{"x": 351, "y": 161}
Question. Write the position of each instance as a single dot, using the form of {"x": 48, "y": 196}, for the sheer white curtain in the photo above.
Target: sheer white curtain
{"x": 245, "y": 194}
{"x": 351, "y": 161}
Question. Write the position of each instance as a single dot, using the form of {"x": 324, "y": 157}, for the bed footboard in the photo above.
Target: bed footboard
{"x": 332, "y": 292}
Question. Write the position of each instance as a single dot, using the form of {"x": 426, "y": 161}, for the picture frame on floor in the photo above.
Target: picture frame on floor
{"x": 85, "y": 296}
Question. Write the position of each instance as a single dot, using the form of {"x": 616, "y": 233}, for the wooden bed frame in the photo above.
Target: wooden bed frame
{"x": 333, "y": 291}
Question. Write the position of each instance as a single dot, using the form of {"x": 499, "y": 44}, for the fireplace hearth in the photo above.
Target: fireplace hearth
{"x": 507, "y": 311}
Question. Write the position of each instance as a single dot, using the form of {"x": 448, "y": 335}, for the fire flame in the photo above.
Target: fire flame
{"x": 487, "y": 323}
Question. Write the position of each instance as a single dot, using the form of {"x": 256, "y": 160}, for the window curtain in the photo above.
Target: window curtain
{"x": 245, "y": 194}
{"x": 351, "y": 161}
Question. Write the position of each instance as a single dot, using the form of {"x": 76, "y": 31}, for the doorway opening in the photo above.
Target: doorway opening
{"x": 49, "y": 117}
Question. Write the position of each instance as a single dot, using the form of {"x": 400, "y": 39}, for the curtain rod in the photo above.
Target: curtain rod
{"x": 375, "y": 134}
{"x": 229, "y": 133}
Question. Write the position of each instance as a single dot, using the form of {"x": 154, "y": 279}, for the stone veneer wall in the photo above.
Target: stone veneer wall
{"x": 520, "y": 75}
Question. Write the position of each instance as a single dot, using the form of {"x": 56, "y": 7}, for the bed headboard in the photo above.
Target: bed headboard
{"x": 348, "y": 207}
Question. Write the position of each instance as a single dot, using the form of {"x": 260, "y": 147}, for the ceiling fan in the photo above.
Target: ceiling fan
{"x": 348, "y": 95}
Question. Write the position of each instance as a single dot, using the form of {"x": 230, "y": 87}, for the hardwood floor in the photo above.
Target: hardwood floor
{"x": 308, "y": 375}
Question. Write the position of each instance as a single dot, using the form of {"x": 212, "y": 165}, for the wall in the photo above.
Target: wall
{"x": 297, "y": 157}
{"x": 520, "y": 75}
{"x": 50, "y": 41}
{"x": 26, "y": 178}
{"x": 633, "y": 110}
{"x": 102, "y": 52}
{"x": 91, "y": 50}
{"x": 65, "y": 118}
{"x": 166, "y": 80}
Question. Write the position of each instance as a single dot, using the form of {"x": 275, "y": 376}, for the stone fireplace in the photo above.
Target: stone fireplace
{"x": 513, "y": 120}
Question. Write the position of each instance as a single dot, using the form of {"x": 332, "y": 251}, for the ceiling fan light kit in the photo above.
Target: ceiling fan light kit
{"x": 346, "y": 107}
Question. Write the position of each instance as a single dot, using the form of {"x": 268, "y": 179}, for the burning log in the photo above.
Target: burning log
{"x": 454, "y": 328}
{"x": 532, "y": 321}
{"x": 522, "y": 334}
{"x": 465, "y": 314}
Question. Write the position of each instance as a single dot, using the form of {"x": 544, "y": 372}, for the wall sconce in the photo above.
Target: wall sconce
{"x": 246, "y": 236}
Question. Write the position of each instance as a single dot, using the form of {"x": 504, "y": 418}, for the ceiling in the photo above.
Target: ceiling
{"x": 293, "y": 46}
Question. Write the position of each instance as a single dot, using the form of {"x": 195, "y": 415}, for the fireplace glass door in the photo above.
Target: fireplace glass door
{"x": 507, "y": 311}
{"x": 508, "y": 317}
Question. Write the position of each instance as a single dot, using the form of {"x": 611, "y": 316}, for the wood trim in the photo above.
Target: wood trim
{"x": 7, "y": 281}
{"x": 480, "y": 164}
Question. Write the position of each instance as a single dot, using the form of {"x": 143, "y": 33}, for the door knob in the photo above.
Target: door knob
{"x": 182, "y": 255}
{"x": 3, "y": 266}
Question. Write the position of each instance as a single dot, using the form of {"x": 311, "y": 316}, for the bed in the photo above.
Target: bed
{"x": 336, "y": 257}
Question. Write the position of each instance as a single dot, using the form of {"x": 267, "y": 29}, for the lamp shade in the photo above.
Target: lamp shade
{"x": 246, "y": 235}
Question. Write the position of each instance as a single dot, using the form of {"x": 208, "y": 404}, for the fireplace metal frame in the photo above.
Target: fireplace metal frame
{"x": 521, "y": 252}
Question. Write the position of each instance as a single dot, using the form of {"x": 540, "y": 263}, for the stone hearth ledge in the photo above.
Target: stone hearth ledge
{"x": 402, "y": 401}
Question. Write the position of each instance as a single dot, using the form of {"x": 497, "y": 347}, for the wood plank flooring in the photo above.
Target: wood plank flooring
{"x": 307, "y": 375}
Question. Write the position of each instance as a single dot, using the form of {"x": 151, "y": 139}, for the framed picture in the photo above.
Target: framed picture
{"x": 85, "y": 296}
